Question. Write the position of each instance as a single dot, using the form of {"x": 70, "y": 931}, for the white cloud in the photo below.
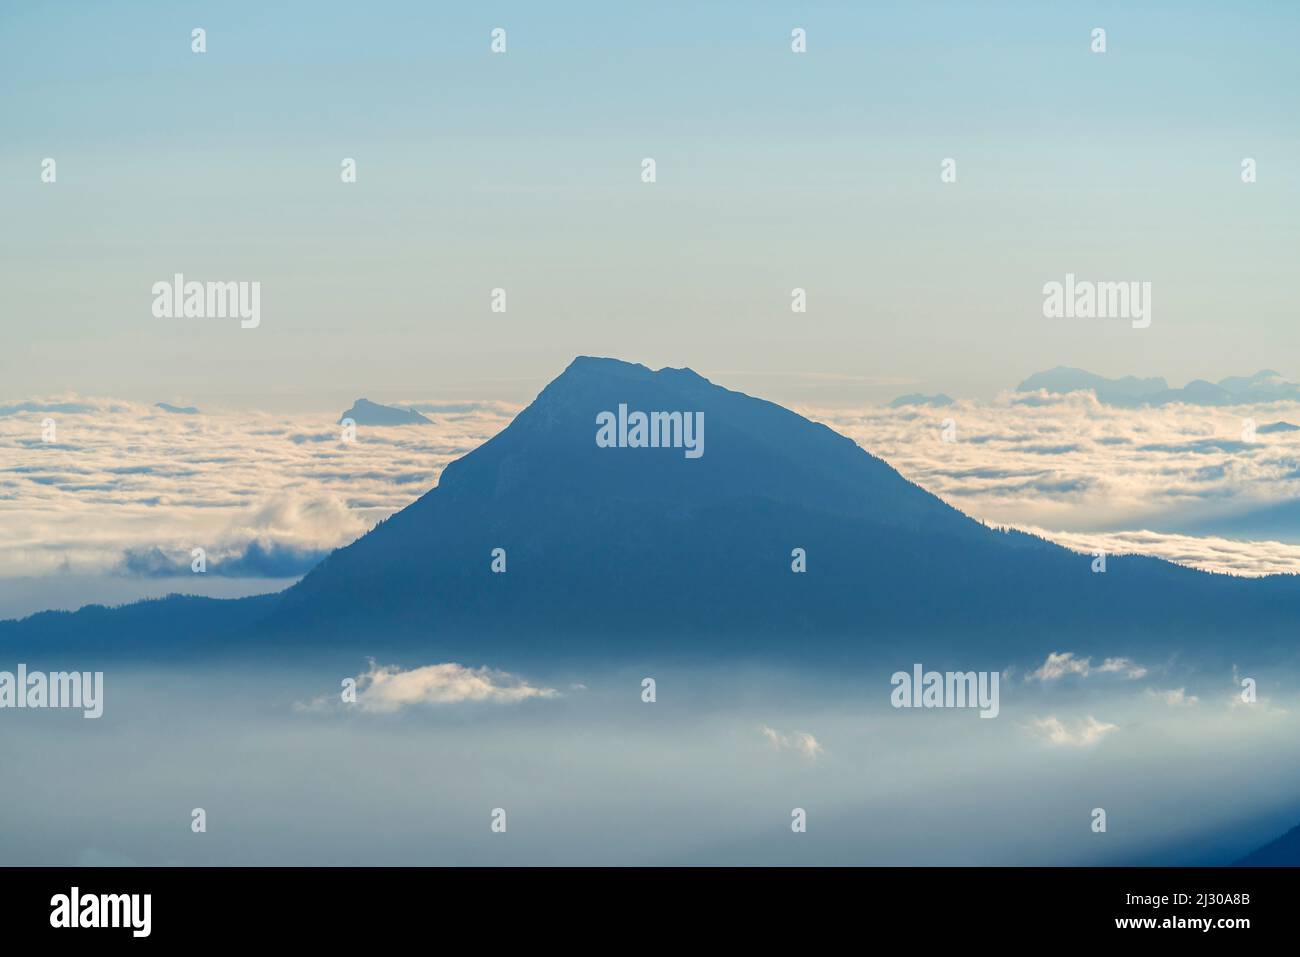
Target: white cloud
{"x": 1087, "y": 732}
{"x": 1059, "y": 664}
{"x": 387, "y": 688}
{"x": 1209, "y": 553}
{"x": 1062, "y": 663}
{"x": 384, "y": 689}
{"x": 800, "y": 741}
{"x": 1174, "y": 697}
{"x": 1126, "y": 666}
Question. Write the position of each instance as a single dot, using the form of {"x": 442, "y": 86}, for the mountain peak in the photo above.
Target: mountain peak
{"x": 595, "y": 364}
{"x": 365, "y": 412}
{"x": 602, "y": 367}
{"x": 673, "y": 524}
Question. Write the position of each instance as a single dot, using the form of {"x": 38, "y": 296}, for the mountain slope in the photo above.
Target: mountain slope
{"x": 1281, "y": 852}
{"x": 628, "y": 550}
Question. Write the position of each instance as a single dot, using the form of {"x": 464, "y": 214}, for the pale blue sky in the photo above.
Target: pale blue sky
{"x": 522, "y": 171}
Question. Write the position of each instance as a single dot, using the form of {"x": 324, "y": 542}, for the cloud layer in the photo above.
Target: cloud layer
{"x": 129, "y": 489}
{"x": 1092, "y": 475}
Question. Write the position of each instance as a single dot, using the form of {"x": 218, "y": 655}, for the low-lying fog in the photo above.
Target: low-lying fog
{"x": 588, "y": 773}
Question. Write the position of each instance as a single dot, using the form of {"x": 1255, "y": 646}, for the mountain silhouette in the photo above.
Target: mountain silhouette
{"x": 615, "y": 553}
{"x": 1128, "y": 391}
{"x": 1131, "y": 392}
{"x": 176, "y": 409}
{"x": 916, "y": 398}
{"x": 365, "y": 412}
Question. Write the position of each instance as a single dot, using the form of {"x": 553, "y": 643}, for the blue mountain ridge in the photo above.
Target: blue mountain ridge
{"x": 1131, "y": 392}
{"x": 365, "y": 412}
{"x": 616, "y": 554}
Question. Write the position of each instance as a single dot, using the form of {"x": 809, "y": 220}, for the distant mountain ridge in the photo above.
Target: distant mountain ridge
{"x": 623, "y": 553}
{"x": 365, "y": 412}
{"x": 1129, "y": 391}
{"x": 917, "y": 398}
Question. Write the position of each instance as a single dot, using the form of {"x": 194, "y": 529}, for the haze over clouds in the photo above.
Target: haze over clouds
{"x": 697, "y": 783}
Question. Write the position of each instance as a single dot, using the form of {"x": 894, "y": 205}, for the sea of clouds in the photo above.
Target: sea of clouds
{"x": 127, "y": 491}
{"x": 112, "y": 509}
{"x": 1090, "y": 475}
{"x": 589, "y": 773}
